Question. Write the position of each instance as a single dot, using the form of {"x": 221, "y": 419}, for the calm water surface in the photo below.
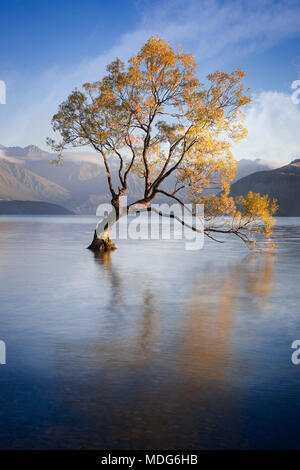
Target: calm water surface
{"x": 152, "y": 347}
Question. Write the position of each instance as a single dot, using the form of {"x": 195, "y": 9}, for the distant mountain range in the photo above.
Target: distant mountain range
{"x": 80, "y": 184}
{"x": 282, "y": 184}
{"x": 31, "y": 208}
{"x": 18, "y": 182}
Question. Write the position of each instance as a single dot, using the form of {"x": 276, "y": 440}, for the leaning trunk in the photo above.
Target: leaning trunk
{"x": 102, "y": 241}
{"x": 99, "y": 245}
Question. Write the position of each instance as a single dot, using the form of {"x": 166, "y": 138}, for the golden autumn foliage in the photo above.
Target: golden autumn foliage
{"x": 156, "y": 118}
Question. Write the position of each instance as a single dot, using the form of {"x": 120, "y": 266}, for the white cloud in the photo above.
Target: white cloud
{"x": 213, "y": 30}
{"x": 273, "y": 124}
{"x": 3, "y": 156}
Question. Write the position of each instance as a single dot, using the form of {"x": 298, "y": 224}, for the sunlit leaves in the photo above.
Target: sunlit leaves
{"x": 156, "y": 119}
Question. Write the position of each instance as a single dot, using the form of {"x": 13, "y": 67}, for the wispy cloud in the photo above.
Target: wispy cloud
{"x": 215, "y": 31}
{"x": 213, "y": 28}
{"x": 273, "y": 124}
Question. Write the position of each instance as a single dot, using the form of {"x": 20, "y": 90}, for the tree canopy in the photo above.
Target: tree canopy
{"x": 156, "y": 119}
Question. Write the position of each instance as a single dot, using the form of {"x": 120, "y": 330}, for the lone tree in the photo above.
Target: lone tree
{"x": 158, "y": 120}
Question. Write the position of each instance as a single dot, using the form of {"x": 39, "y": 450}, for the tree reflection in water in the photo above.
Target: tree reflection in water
{"x": 161, "y": 378}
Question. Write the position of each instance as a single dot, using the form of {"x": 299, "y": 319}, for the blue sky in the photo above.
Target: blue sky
{"x": 49, "y": 47}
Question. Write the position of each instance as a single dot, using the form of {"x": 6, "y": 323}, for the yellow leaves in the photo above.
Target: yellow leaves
{"x": 158, "y": 82}
{"x": 255, "y": 204}
{"x": 155, "y": 109}
{"x": 169, "y": 132}
{"x": 210, "y": 166}
{"x": 257, "y": 208}
{"x": 216, "y": 206}
{"x": 245, "y": 217}
{"x": 226, "y": 95}
{"x": 238, "y": 132}
{"x": 158, "y": 51}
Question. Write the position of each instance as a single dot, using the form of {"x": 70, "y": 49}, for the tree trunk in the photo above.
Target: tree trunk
{"x": 102, "y": 241}
{"x": 100, "y": 245}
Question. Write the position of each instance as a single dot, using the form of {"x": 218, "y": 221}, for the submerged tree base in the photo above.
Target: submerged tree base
{"x": 99, "y": 245}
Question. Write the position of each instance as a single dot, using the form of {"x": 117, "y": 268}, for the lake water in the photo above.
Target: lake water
{"x": 151, "y": 347}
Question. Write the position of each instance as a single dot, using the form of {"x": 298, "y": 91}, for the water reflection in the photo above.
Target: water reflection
{"x": 260, "y": 270}
{"x": 103, "y": 260}
{"x": 147, "y": 347}
{"x": 147, "y": 389}
{"x": 213, "y": 312}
